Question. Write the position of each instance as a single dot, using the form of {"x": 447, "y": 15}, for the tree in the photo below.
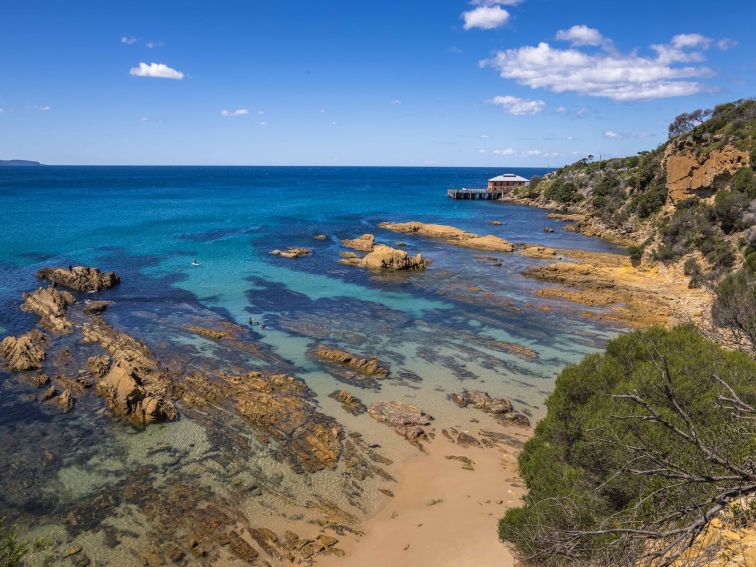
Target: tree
{"x": 687, "y": 121}
{"x": 641, "y": 447}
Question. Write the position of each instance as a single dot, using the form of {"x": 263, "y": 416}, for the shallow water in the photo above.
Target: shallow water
{"x": 439, "y": 330}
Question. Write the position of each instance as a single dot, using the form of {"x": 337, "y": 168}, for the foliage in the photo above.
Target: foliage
{"x": 12, "y": 550}
{"x": 729, "y": 207}
{"x": 641, "y": 445}
{"x": 534, "y": 181}
{"x": 735, "y": 304}
{"x": 687, "y": 121}
{"x": 744, "y": 181}
{"x": 635, "y": 253}
{"x": 651, "y": 200}
{"x": 562, "y": 191}
{"x": 692, "y": 269}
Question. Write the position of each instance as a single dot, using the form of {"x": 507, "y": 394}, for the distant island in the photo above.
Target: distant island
{"x": 4, "y": 162}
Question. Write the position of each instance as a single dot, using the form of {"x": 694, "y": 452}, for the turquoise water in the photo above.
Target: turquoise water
{"x": 439, "y": 330}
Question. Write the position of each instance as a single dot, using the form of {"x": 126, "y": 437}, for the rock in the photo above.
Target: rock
{"x": 240, "y": 547}
{"x": 348, "y": 255}
{"x": 350, "y": 403}
{"x": 40, "y": 379}
{"x": 66, "y": 401}
{"x": 320, "y": 237}
{"x": 49, "y": 394}
{"x": 26, "y": 352}
{"x": 384, "y": 257}
{"x": 50, "y": 305}
{"x": 363, "y": 243}
{"x": 126, "y": 397}
{"x": 406, "y": 419}
{"x": 214, "y": 334}
{"x": 80, "y": 278}
{"x": 495, "y": 222}
{"x": 96, "y": 307}
{"x": 292, "y": 252}
{"x": 548, "y": 229}
{"x": 99, "y": 365}
{"x": 532, "y": 251}
{"x": 452, "y": 235}
{"x": 500, "y": 408}
{"x": 369, "y": 366}
{"x": 71, "y": 550}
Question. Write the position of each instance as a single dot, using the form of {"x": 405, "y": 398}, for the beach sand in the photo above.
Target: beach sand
{"x": 441, "y": 514}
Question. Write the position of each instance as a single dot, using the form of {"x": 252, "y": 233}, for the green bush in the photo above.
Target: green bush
{"x": 638, "y": 438}
{"x": 692, "y": 269}
{"x": 729, "y": 207}
{"x": 635, "y": 253}
{"x": 734, "y": 305}
{"x": 651, "y": 200}
{"x": 744, "y": 181}
{"x": 562, "y": 191}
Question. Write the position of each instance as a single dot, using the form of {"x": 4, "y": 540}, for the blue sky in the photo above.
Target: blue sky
{"x": 442, "y": 82}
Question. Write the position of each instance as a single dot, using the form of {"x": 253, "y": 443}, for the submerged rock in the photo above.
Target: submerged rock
{"x": 384, "y": 257}
{"x": 406, "y": 419}
{"x": 349, "y": 402}
{"x": 363, "y": 243}
{"x": 369, "y": 366}
{"x": 500, "y": 408}
{"x": 96, "y": 307}
{"x": 292, "y": 252}
{"x": 452, "y": 235}
{"x": 80, "y": 278}
{"x": 51, "y": 306}
{"x": 26, "y": 352}
{"x": 66, "y": 401}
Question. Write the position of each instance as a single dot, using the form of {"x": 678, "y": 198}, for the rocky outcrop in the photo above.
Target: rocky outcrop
{"x": 350, "y": 403}
{"x": 368, "y": 366}
{"x": 363, "y": 243}
{"x": 452, "y": 235}
{"x": 498, "y": 407}
{"x": 278, "y": 408}
{"x": 26, "y": 352}
{"x": 51, "y": 306}
{"x": 384, "y": 257}
{"x": 688, "y": 173}
{"x": 96, "y": 307}
{"x": 535, "y": 251}
{"x": 80, "y": 278}
{"x": 126, "y": 396}
{"x": 407, "y": 420}
{"x": 292, "y": 253}
{"x": 135, "y": 386}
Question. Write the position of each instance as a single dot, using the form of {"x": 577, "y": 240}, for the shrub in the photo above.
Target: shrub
{"x": 651, "y": 200}
{"x": 636, "y": 254}
{"x": 637, "y": 443}
{"x": 744, "y": 181}
{"x": 534, "y": 182}
{"x": 561, "y": 191}
{"x": 729, "y": 207}
{"x": 692, "y": 269}
{"x": 734, "y": 305}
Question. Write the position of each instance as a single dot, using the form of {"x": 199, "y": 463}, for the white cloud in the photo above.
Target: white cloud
{"x": 260, "y": 112}
{"x": 581, "y": 35}
{"x": 531, "y": 153}
{"x": 237, "y": 112}
{"x": 496, "y": 2}
{"x": 485, "y": 17}
{"x": 484, "y": 136}
{"x": 156, "y": 70}
{"x": 396, "y": 102}
{"x": 582, "y": 111}
{"x": 481, "y": 151}
{"x": 518, "y": 106}
{"x": 44, "y": 108}
{"x": 128, "y": 39}
{"x": 610, "y": 74}
{"x": 504, "y": 152}
{"x": 612, "y": 135}
{"x": 263, "y": 123}
{"x": 154, "y": 44}
{"x": 726, "y": 43}
{"x": 560, "y": 109}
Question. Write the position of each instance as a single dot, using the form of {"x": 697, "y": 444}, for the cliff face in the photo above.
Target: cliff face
{"x": 692, "y": 175}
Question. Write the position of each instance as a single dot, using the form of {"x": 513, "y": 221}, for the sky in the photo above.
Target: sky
{"x": 410, "y": 83}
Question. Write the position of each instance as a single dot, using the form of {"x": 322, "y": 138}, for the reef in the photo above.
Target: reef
{"x": 451, "y": 235}
{"x": 80, "y": 278}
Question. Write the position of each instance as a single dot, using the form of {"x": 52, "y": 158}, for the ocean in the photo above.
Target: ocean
{"x": 71, "y": 477}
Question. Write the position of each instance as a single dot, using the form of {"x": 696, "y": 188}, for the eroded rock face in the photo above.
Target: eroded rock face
{"x": 135, "y": 386}
{"x": 452, "y": 235}
{"x": 278, "y": 407}
{"x": 688, "y": 173}
{"x": 51, "y": 305}
{"x": 80, "y": 278}
{"x": 384, "y": 257}
{"x": 407, "y": 420}
{"x": 292, "y": 253}
{"x": 26, "y": 352}
{"x": 364, "y": 243}
{"x": 498, "y": 407}
{"x": 369, "y": 366}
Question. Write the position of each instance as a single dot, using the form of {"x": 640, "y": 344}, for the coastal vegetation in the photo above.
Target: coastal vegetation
{"x": 642, "y": 446}
{"x": 12, "y": 549}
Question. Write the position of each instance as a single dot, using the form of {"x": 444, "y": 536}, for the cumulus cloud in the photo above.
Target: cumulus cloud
{"x": 128, "y": 39}
{"x": 581, "y": 35}
{"x": 485, "y": 17}
{"x": 156, "y": 70}
{"x": 504, "y": 152}
{"x": 518, "y": 106}
{"x": 608, "y": 73}
{"x": 237, "y": 112}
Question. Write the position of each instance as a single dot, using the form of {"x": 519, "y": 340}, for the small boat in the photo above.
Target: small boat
{"x": 195, "y": 263}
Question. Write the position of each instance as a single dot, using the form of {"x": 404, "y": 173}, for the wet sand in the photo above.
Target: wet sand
{"x": 442, "y": 514}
